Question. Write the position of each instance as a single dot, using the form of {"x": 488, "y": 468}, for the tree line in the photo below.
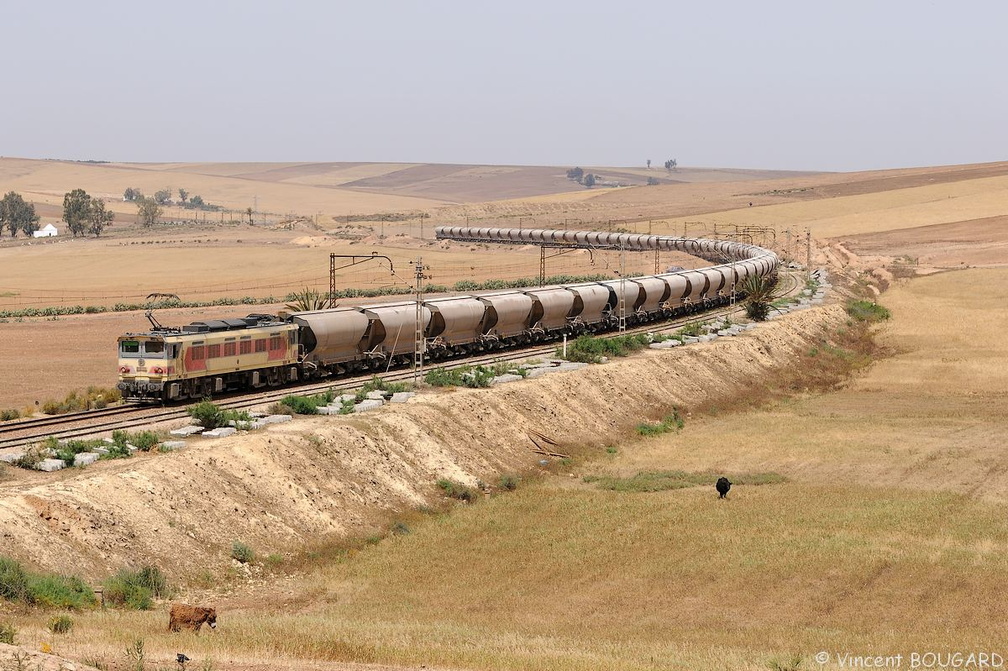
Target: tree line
{"x": 164, "y": 197}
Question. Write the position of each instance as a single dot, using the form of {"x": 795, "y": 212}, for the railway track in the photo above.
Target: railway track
{"x": 92, "y": 423}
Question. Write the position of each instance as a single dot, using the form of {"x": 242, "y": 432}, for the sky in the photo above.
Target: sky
{"x": 792, "y": 85}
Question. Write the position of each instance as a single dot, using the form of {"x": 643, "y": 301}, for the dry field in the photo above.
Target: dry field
{"x": 881, "y": 529}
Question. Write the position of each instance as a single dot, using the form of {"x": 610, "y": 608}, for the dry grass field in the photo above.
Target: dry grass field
{"x": 867, "y": 518}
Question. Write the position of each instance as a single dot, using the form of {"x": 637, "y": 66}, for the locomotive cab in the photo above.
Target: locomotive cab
{"x": 145, "y": 361}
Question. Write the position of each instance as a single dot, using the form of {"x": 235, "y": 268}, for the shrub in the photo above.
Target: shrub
{"x": 242, "y": 552}
{"x": 136, "y": 589}
{"x": 61, "y": 624}
{"x": 207, "y": 414}
{"x": 7, "y": 633}
{"x": 48, "y": 590}
{"x": 591, "y": 349}
{"x": 9, "y": 414}
{"x": 145, "y": 440}
{"x": 32, "y": 457}
{"x": 308, "y": 405}
{"x": 457, "y": 490}
{"x": 210, "y": 416}
{"x": 509, "y": 482}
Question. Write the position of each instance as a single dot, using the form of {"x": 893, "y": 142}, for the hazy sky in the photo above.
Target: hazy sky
{"x": 843, "y": 85}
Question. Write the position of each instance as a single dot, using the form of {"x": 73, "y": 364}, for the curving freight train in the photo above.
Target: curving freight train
{"x": 214, "y": 356}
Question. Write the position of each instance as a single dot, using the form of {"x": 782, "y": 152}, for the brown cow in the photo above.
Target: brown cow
{"x": 191, "y": 617}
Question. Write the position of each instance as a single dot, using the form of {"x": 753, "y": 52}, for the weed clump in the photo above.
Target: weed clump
{"x": 673, "y": 422}
{"x": 47, "y": 590}
{"x": 591, "y": 349}
{"x": 136, "y": 589}
{"x": 308, "y": 405}
{"x": 242, "y": 552}
{"x": 867, "y": 311}
{"x": 7, "y": 633}
{"x": 457, "y": 490}
{"x": 61, "y": 624}
{"x": 210, "y": 416}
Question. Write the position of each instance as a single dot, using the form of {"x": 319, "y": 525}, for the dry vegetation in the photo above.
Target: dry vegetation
{"x": 868, "y": 514}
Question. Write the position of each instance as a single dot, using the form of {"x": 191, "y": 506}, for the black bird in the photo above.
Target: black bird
{"x": 722, "y": 486}
{"x": 181, "y": 659}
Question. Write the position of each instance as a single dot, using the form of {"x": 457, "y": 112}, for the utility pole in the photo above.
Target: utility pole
{"x": 419, "y": 342}
{"x": 622, "y": 289}
{"x": 808, "y": 254}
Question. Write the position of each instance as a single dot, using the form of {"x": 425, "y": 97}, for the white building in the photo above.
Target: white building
{"x": 47, "y": 231}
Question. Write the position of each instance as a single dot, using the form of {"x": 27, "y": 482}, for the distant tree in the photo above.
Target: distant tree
{"x": 670, "y": 164}
{"x": 183, "y": 195}
{"x": 651, "y": 181}
{"x": 77, "y": 211}
{"x": 162, "y": 197}
{"x": 249, "y": 213}
{"x": 18, "y": 215}
{"x": 649, "y": 164}
{"x": 576, "y": 174}
{"x": 149, "y": 211}
{"x": 197, "y": 201}
{"x": 100, "y": 217}
{"x": 130, "y": 194}
{"x": 589, "y": 180}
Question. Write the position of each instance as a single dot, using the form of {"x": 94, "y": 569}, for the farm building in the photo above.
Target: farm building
{"x": 47, "y": 231}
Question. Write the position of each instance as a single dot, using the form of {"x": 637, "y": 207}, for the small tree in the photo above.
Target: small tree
{"x": 589, "y": 180}
{"x": 183, "y": 195}
{"x": 17, "y": 215}
{"x": 131, "y": 194}
{"x": 163, "y": 196}
{"x": 197, "y": 201}
{"x": 248, "y": 211}
{"x": 149, "y": 211}
{"x": 100, "y": 217}
{"x": 649, "y": 164}
{"x": 760, "y": 293}
{"x": 77, "y": 211}
{"x": 576, "y": 174}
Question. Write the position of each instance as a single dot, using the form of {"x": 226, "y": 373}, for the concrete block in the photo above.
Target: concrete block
{"x": 101, "y": 450}
{"x": 330, "y": 409}
{"x": 572, "y": 365}
{"x": 86, "y": 458}
{"x": 402, "y": 396}
{"x": 11, "y": 457}
{"x": 220, "y": 432}
{"x": 508, "y": 377}
{"x": 277, "y": 419}
{"x": 375, "y": 395}
{"x": 187, "y": 431}
{"x": 368, "y": 404}
{"x": 689, "y": 340}
{"x": 50, "y": 465}
{"x": 173, "y": 445}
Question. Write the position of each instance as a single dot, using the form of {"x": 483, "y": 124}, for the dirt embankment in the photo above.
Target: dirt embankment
{"x": 314, "y": 479}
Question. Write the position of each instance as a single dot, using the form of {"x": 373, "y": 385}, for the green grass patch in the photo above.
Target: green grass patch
{"x": 46, "y": 590}
{"x": 591, "y": 349}
{"x": 673, "y": 422}
{"x": 660, "y": 481}
{"x": 472, "y": 376}
{"x": 867, "y": 311}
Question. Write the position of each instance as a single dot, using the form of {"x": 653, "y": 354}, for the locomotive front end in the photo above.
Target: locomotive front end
{"x": 146, "y": 364}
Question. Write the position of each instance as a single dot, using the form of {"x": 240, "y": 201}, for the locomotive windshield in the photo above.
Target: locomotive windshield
{"x": 129, "y": 348}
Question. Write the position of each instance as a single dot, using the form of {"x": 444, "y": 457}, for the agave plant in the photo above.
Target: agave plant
{"x": 306, "y": 300}
{"x": 760, "y": 293}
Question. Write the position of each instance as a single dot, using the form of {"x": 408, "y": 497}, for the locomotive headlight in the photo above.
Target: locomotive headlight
{"x": 125, "y": 369}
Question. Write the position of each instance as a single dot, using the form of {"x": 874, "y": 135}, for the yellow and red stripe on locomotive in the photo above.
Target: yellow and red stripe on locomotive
{"x": 208, "y": 357}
